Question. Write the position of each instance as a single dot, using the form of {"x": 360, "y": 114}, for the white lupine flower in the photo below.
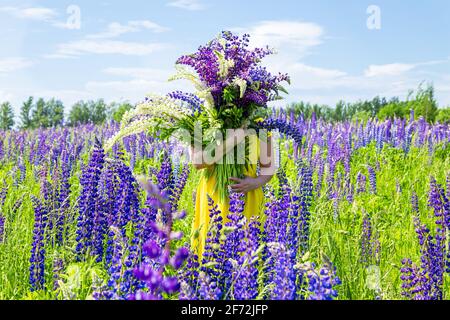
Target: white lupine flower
{"x": 207, "y": 96}
{"x": 224, "y": 64}
{"x": 242, "y": 84}
{"x": 162, "y": 106}
{"x": 185, "y": 73}
{"x": 222, "y": 41}
{"x": 157, "y": 112}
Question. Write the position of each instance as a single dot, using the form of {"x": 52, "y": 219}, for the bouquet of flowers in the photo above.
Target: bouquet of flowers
{"x": 232, "y": 92}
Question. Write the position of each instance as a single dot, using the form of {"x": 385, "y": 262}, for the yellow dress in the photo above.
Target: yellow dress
{"x": 254, "y": 203}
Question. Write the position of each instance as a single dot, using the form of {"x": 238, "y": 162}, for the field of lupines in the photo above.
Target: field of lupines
{"x": 356, "y": 211}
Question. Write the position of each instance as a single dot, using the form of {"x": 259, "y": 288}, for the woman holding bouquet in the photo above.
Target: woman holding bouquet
{"x": 260, "y": 152}
{"x": 232, "y": 93}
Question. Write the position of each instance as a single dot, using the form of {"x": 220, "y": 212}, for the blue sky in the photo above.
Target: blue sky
{"x": 122, "y": 50}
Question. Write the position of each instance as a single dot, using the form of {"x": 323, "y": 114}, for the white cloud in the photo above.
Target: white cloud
{"x": 191, "y": 5}
{"x": 393, "y": 69}
{"x": 13, "y": 64}
{"x": 116, "y": 29}
{"x": 135, "y": 83}
{"x": 41, "y": 14}
{"x": 318, "y": 72}
{"x": 133, "y": 90}
{"x": 283, "y": 33}
{"x": 294, "y": 40}
{"x": 33, "y": 13}
{"x": 80, "y": 47}
{"x": 68, "y": 97}
{"x": 140, "y": 73}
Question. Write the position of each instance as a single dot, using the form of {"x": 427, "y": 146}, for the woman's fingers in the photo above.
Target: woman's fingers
{"x": 236, "y": 186}
{"x": 236, "y": 180}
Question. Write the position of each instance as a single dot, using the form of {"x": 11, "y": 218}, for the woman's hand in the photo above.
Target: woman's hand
{"x": 245, "y": 185}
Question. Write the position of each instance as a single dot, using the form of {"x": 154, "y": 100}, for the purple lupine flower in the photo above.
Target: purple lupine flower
{"x": 180, "y": 183}
{"x": 213, "y": 258}
{"x": 284, "y": 276}
{"x": 283, "y": 127}
{"x": 208, "y": 289}
{"x": 362, "y": 182}
{"x": 127, "y": 211}
{"x": 246, "y": 276}
{"x": 189, "y": 276}
{"x": 2, "y": 151}
{"x": 369, "y": 242}
{"x": 415, "y": 203}
{"x": 306, "y": 196}
{"x": 179, "y": 258}
{"x": 372, "y": 180}
{"x": 320, "y": 176}
{"x": 109, "y": 188}
{"x": 232, "y": 246}
{"x": 448, "y": 185}
{"x": 191, "y": 100}
{"x": 322, "y": 283}
{"x": 3, "y": 193}
{"x": 157, "y": 257}
{"x": 22, "y": 172}
{"x": 88, "y": 202}
{"x": 127, "y": 204}
{"x": 294, "y": 224}
{"x": 116, "y": 269}
{"x": 37, "y": 258}
{"x": 439, "y": 203}
{"x": 149, "y": 213}
{"x": 58, "y": 267}
{"x": 165, "y": 179}
{"x": 426, "y": 281}
{"x": 2, "y": 228}
{"x": 165, "y": 174}
{"x": 438, "y": 249}
{"x": 407, "y": 277}
{"x": 64, "y": 198}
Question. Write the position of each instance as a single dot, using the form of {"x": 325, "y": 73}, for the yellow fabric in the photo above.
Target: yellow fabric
{"x": 254, "y": 201}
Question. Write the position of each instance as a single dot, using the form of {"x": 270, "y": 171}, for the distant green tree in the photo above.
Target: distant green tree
{"x": 79, "y": 114}
{"x": 339, "y": 111}
{"x": 98, "y": 111}
{"x": 88, "y": 112}
{"x": 55, "y": 110}
{"x": 393, "y": 110}
{"x": 25, "y": 114}
{"x": 362, "y": 116}
{"x": 6, "y": 116}
{"x": 40, "y": 114}
{"x": 118, "y": 110}
{"x": 443, "y": 115}
{"x": 424, "y": 104}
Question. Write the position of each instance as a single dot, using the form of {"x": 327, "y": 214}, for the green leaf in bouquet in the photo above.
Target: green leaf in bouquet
{"x": 256, "y": 85}
{"x": 232, "y": 117}
{"x": 282, "y": 89}
{"x": 229, "y": 94}
{"x": 277, "y": 98}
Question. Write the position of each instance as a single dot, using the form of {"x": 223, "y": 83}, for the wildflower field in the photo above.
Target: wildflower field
{"x": 356, "y": 211}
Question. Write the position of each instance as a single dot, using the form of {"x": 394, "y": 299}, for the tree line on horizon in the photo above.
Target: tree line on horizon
{"x": 43, "y": 113}
{"x": 422, "y": 102}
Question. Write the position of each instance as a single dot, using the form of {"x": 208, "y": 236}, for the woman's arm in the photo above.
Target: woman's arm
{"x": 267, "y": 171}
{"x": 202, "y": 159}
